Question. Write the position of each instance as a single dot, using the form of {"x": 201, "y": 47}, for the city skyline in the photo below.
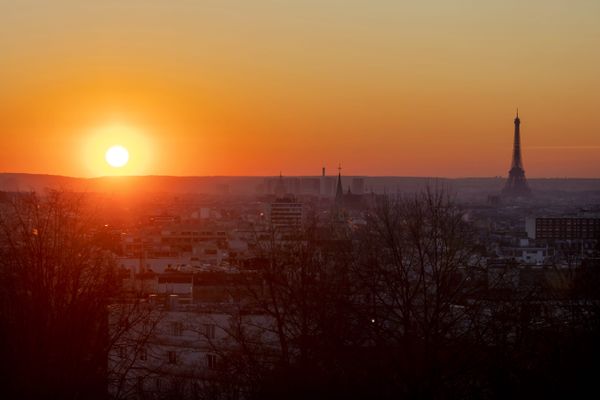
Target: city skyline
{"x": 249, "y": 90}
{"x": 306, "y": 200}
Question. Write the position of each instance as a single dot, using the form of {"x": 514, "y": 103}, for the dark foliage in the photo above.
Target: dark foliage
{"x": 400, "y": 309}
{"x": 54, "y": 289}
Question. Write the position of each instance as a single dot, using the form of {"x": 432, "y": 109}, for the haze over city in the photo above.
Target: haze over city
{"x": 253, "y": 88}
{"x": 304, "y": 200}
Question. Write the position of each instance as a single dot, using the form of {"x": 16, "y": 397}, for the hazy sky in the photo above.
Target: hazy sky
{"x": 257, "y": 87}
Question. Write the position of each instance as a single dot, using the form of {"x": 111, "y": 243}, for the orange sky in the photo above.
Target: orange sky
{"x": 254, "y": 88}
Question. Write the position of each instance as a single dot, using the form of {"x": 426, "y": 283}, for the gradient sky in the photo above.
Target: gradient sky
{"x": 419, "y": 88}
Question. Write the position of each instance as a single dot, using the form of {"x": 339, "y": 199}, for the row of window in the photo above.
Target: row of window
{"x": 206, "y": 330}
{"x": 172, "y": 356}
{"x": 210, "y": 359}
{"x": 160, "y": 384}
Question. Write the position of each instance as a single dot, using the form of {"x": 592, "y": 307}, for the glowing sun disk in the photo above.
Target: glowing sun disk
{"x": 116, "y": 156}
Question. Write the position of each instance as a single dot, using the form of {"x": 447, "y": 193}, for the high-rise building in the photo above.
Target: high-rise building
{"x": 516, "y": 185}
{"x": 286, "y": 213}
{"x": 563, "y": 228}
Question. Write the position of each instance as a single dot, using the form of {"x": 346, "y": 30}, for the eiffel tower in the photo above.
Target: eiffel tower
{"x": 516, "y": 185}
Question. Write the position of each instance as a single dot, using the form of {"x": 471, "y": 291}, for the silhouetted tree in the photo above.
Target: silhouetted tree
{"x": 417, "y": 263}
{"x": 56, "y": 284}
{"x": 295, "y": 323}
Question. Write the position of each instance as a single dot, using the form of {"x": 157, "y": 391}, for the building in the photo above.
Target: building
{"x": 175, "y": 345}
{"x": 286, "y": 213}
{"x": 358, "y": 185}
{"x": 563, "y": 228}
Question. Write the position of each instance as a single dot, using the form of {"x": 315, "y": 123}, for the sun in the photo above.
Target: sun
{"x": 116, "y": 156}
{"x": 117, "y": 149}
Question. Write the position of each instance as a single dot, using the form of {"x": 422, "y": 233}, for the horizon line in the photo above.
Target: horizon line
{"x": 287, "y": 176}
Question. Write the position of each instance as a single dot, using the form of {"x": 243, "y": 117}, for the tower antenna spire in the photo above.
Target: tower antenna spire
{"x": 516, "y": 185}
{"x": 339, "y": 192}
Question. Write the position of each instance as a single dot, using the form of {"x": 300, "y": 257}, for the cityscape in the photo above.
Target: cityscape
{"x": 282, "y": 241}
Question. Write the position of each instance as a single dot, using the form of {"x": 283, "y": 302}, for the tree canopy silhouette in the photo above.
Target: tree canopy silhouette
{"x": 55, "y": 283}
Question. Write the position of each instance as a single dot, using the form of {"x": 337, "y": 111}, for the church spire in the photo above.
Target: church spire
{"x": 339, "y": 191}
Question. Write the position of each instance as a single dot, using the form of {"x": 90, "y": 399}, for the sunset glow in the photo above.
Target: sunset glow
{"x": 310, "y": 199}
{"x": 116, "y": 149}
{"x": 253, "y": 89}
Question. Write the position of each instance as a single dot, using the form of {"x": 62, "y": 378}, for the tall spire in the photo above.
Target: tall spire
{"x": 517, "y": 160}
{"x": 516, "y": 185}
{"x": 339, "y": 191}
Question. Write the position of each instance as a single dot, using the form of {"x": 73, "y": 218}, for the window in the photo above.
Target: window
{"x": 211, "y": 361}
{"x": 209, "y": 331}
{"x": 176, "y": 328}
{"x": 172, "y": 357}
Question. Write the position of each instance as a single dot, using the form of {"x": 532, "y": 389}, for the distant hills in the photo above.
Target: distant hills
{"x": 11, "y": 182}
